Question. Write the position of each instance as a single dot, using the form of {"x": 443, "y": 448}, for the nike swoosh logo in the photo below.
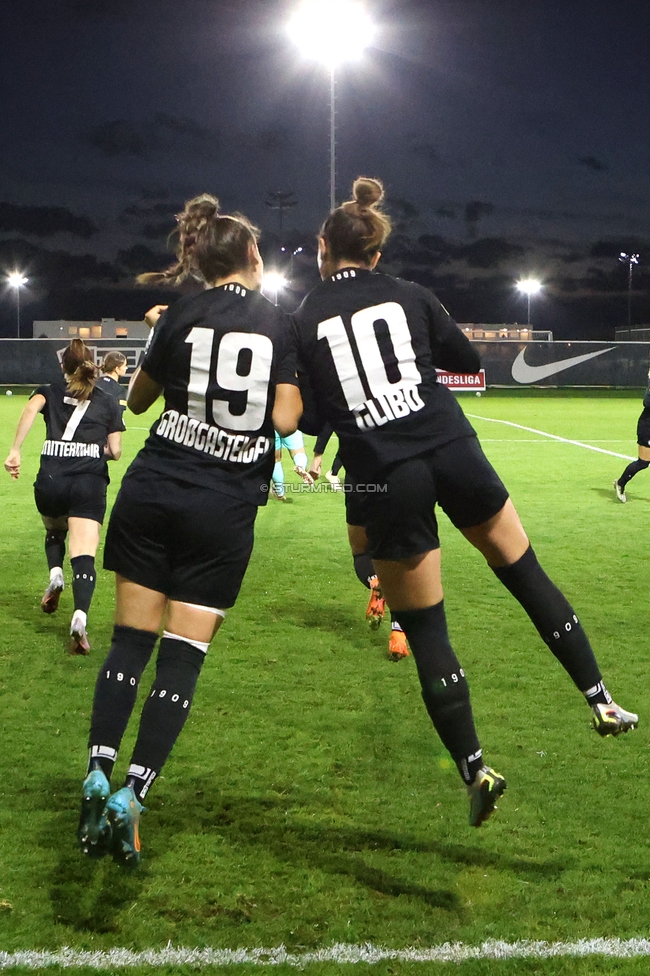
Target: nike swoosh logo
{"x": 523, "y": 373}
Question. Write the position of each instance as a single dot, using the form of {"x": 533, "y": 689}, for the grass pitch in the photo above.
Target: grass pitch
{"x": 308, "y": 801}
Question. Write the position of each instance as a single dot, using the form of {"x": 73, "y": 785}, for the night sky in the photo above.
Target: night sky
{"x": 513, "y": 137}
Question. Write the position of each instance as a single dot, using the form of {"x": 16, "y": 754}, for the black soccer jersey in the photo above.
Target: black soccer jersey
{"x": 77, "y": 430}
{"x": 114, "y": 389}
{"x": 369, "y": 344}
{"x": 219, "y": 356}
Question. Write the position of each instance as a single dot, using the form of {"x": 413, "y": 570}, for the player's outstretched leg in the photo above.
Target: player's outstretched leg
{"x": 630, "y": 471}
{"x": 446, "y": 696}
{"x": 559, "y": 628}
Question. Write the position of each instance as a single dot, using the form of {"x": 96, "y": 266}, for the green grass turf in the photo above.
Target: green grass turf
{"x": 308, "y": 800}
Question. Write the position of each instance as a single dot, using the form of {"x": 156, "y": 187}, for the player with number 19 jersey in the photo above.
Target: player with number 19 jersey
{"x": 370, "y": 344}
{"x": 219, "y": 357}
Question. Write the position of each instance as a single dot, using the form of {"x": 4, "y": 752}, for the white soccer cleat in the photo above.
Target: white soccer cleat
{"x": 305, "y": 475}
{"x": 50, "y": 601}
{"x": 78, "y": 636}
{"x": 620, "y": 492}
{"x": 612, "y": 719}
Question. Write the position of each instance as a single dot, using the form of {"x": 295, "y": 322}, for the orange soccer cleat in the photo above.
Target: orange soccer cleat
{"x": 397, "y": 645}
{"x": 376, "y": 609}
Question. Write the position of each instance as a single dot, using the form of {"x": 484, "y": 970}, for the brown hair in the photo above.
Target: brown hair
{"x": 358, "y": 229}
{"x": 209, "y": 246}
{"x": 78, "y": 365}
{"x": 113, "y": 360}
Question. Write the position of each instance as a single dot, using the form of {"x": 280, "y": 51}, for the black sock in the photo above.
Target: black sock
{"x": 337, "y": 464}
{"x": 631, "y": 470}
{"x": 83, "y": 581}
{"x": 444, "y": 687}
{"x": 165, "y": 711}
{"x": 556, "y": 623}
{"x": 116, "y": 691}
{"x": 55, "y": 547}
{"x": 364, "y": 568}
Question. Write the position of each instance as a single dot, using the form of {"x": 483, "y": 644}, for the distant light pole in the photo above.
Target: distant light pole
{"x": 16, "y": 280}
{"x": 630, "y": 260}
{"x": 277, "y": 200}
{"x": 331, "y": 31}
{"x": 529, "y": 287}
{"x": 272, "y": 284}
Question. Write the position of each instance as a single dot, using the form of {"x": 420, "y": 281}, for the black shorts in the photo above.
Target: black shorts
{"x": 398, "y": 510}
{"x": 189, "y": 542}
{"x": 75, "y": 495}
{"x": 643, "y": 428}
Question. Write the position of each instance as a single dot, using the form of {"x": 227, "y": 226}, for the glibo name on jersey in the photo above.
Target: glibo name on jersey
{"x": 388, "y": 406}
{"x": 208, "y": 439}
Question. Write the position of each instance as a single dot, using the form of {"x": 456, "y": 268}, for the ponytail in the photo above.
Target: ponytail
{"x": 79, "y": 368}
{"x": 210, "y": 245}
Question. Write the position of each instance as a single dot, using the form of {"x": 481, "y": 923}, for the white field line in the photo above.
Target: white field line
{"x": 340, "y": 953}
{"x": 553, "y": 437}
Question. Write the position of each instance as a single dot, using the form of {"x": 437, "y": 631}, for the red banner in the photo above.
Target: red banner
{"x": 463, "y": 381}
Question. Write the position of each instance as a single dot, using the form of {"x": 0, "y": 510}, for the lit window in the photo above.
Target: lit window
{"x": 84, "y": 331}
{"x": 121, "y": 332}
{"x": 72, "y": 330}
{"x": 96, "y": 331}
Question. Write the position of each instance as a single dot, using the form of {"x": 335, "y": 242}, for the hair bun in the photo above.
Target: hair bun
{"x": 367, "y": 191}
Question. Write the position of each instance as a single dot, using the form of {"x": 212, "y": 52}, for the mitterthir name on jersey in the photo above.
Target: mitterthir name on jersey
{"x": 70, "y": 449}
{"x": 181, "y": 429}
{"x": 388, "y": 406}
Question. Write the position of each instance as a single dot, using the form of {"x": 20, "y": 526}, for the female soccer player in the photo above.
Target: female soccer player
{"x": 181, "y": 531}
{"x": 643, "y": 440}
{"x": 113, "y": 370}
{"x": 83, "y": 428}
{"x": 369, "y": 344}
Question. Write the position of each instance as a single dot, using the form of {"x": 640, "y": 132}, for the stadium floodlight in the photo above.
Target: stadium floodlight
{"x": 630, "y": 260}
{"x": 332, "y": 32}
{"x": 272, "y": 284}
{"x": 529, "y": 287}
{"x": 16, "y": 280}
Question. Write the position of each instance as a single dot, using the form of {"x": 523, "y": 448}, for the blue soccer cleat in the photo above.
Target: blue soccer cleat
{"x": 94, "y": 832}
{"x": 123, "y": 815}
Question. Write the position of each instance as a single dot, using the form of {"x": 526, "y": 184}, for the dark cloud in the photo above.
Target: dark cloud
{"x": 117, "y": 138}
{"x": 446, "y": 213}
{"x": 47, "y": 269}
{"x": 427, "y": 152}
{"x": 44, "y": 221}
{"x": 590, "y": 162}
{"x": 181, "y": 126}
{"x": 155, "y": 232}
{"x": 488, "y": 252}
{"x": 139, "y": 258}
{"x": 612, "y": 247}
{"x": 475, "y": 210}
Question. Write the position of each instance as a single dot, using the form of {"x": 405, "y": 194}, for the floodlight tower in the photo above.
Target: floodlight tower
{"x": 331, "y": 31}
{"x": 16, "y": 280}
{"x": 529, "y": 287}
{"x": 630, "y": 260}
